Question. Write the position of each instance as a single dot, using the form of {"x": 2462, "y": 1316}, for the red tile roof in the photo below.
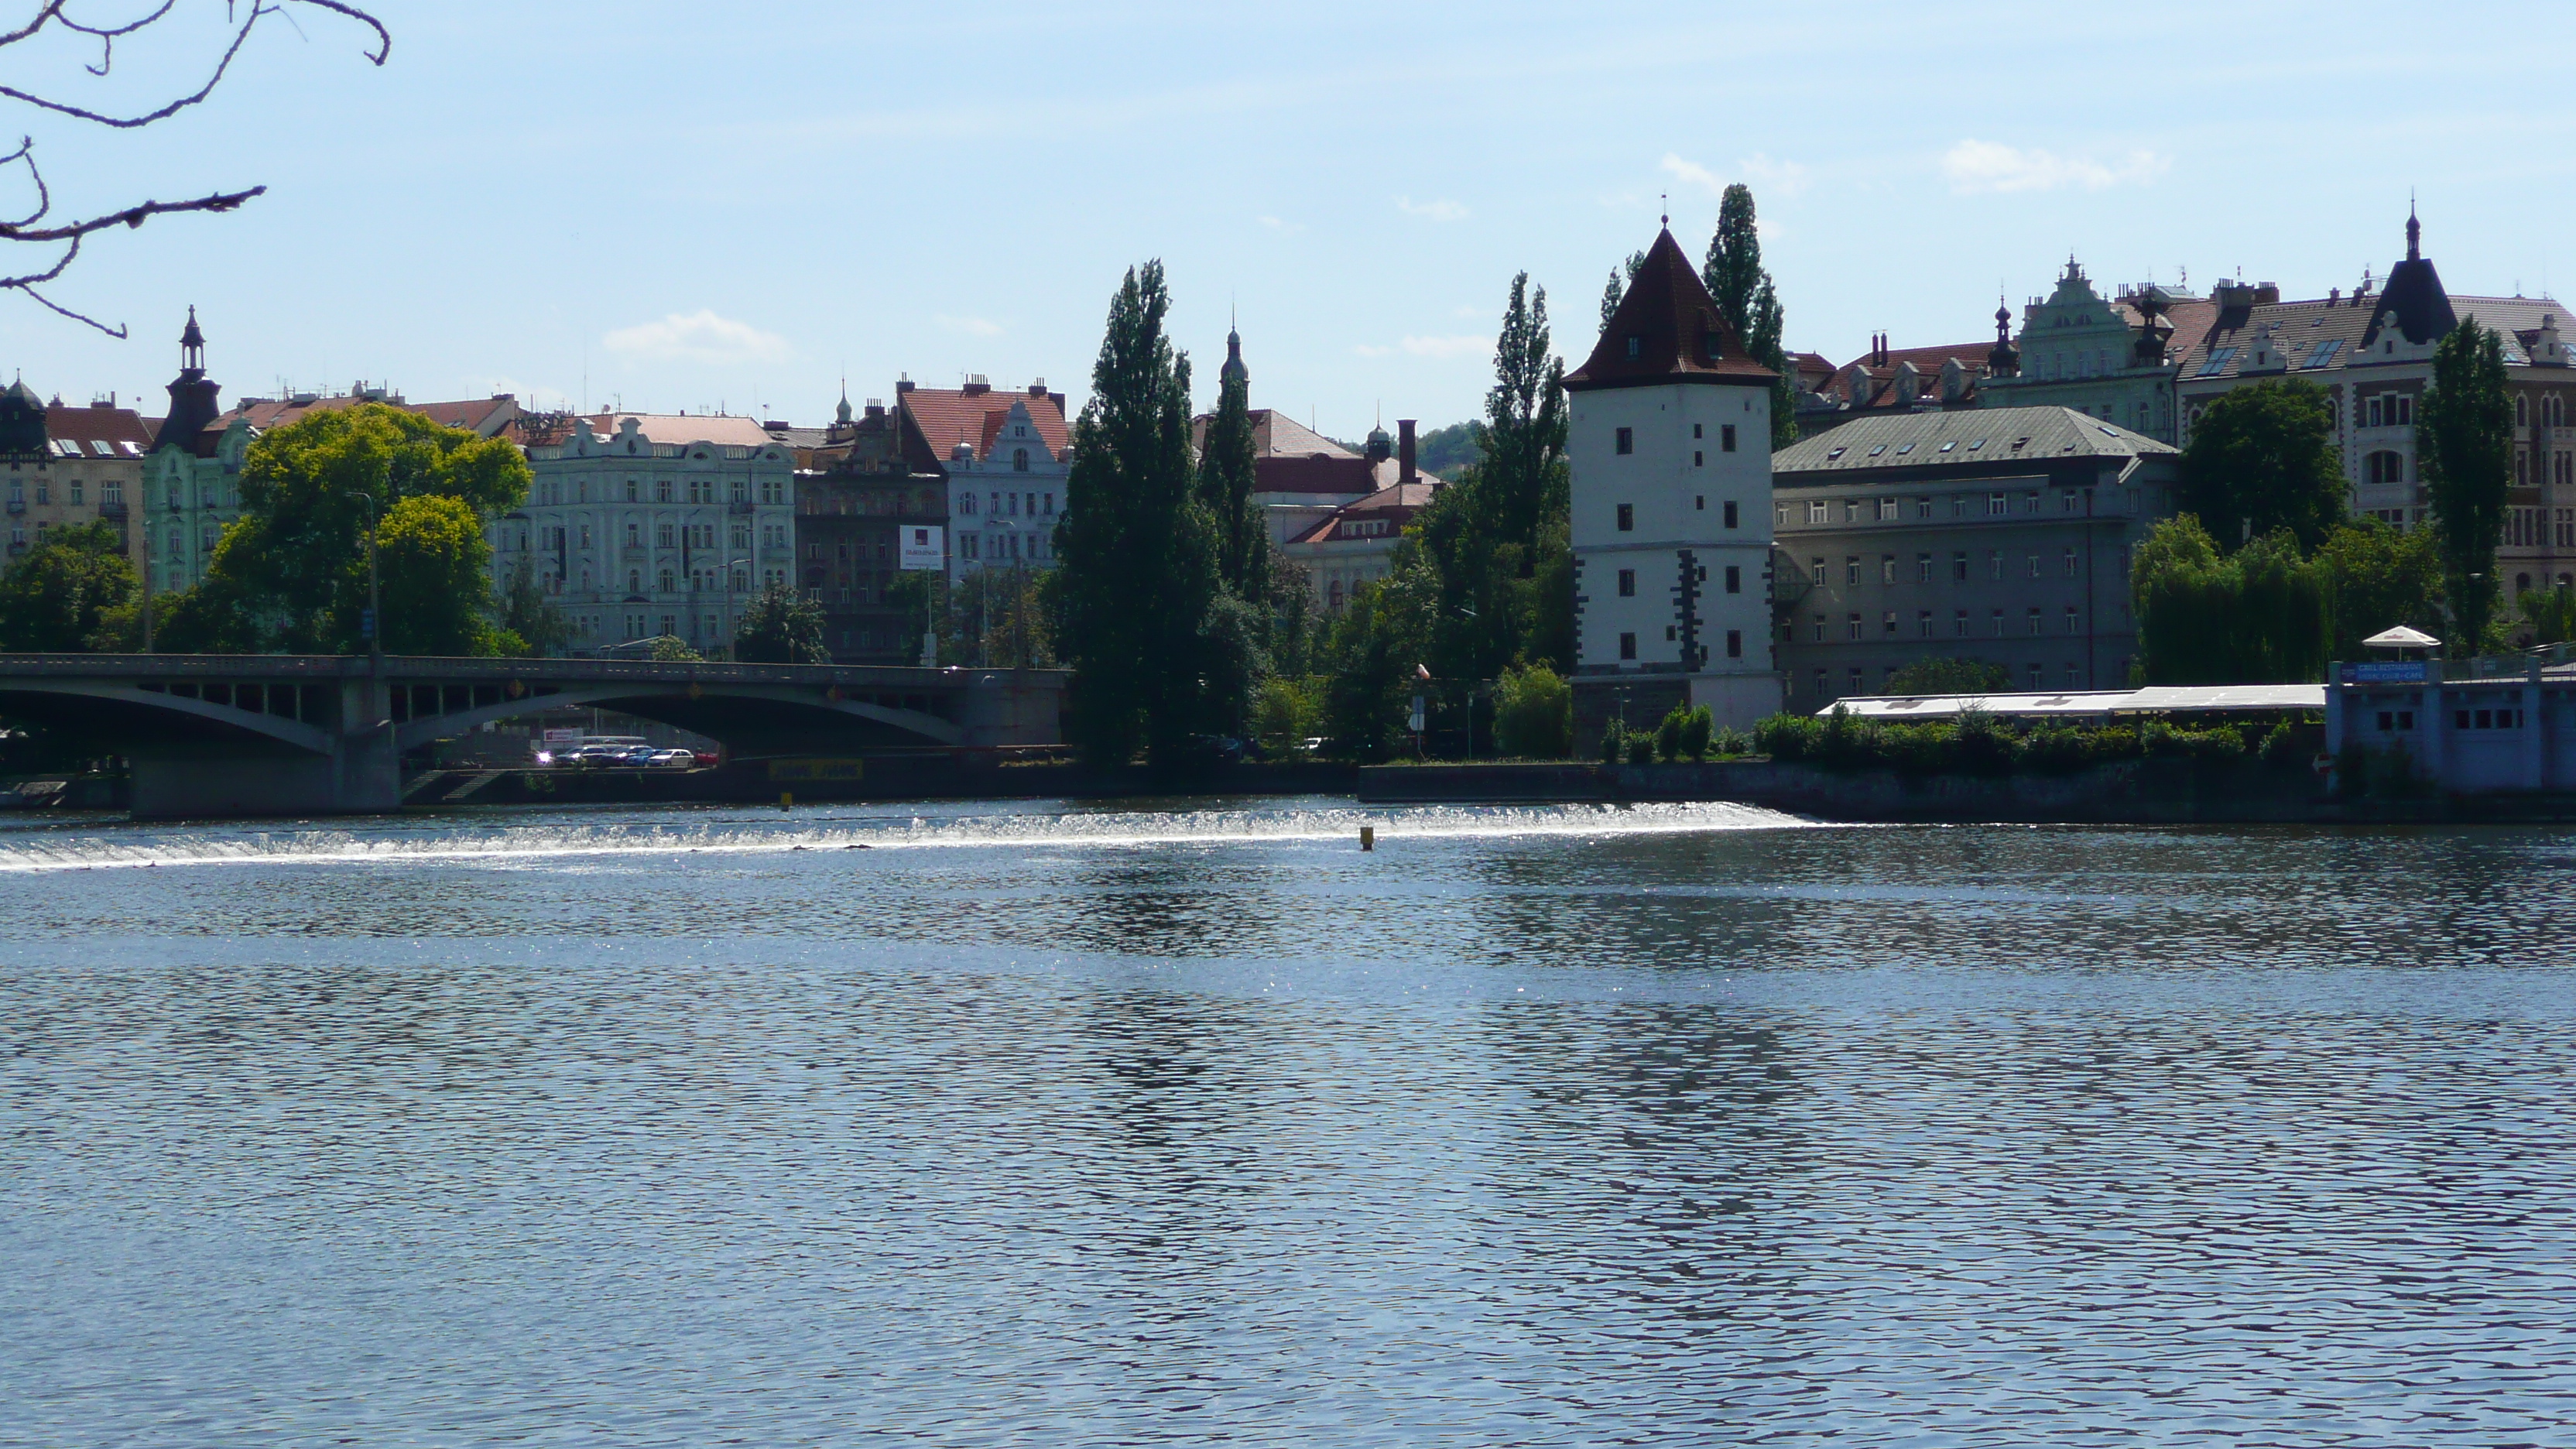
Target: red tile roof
{"x": 942, "y": 418}
{"x": 98, "y": 430}
{"x": 1667, "y": 329}
{"x": 1397, "y": 503}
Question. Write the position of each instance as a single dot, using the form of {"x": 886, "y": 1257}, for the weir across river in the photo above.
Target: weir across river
{"x": 212, "y": 735}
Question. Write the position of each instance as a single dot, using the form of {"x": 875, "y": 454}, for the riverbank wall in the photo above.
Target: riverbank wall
{"x": 2140, "y": 792}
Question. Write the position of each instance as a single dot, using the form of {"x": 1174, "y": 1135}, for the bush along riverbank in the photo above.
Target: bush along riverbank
{"x": 1840, "y": 767}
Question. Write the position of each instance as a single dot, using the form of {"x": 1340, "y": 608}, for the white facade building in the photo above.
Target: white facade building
{"x": 1004, "y": 456}
{"x": 640, "y": 526}
{"x": 1669, "y": 444}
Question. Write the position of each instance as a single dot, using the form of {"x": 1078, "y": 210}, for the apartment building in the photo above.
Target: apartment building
{"x": 646, "y": 525}
{"x": 1995, "y": 534}
{"x": 69, "y": 465}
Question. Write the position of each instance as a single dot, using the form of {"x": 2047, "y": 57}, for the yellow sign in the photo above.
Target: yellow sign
{"x": 843, "y": 770}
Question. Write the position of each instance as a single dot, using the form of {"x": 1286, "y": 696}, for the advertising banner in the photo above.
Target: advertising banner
{"x": 923, "y": 546}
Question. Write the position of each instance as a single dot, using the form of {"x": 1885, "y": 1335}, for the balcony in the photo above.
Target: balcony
{"x": 741, "y": 507}
{"x": 111, "y": 508}
{"x": 17, "y": 505}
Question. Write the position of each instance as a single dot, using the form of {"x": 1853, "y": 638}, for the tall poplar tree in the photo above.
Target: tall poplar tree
{"x": 1138, "y": 554}
{"x": 1226, "y": 483}
{"x": 1617, "y": 291}
{"x": 2464, "y": 445}
{"x": 1743, "y": 291}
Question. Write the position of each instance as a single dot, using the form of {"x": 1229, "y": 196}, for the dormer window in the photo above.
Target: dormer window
{"x": 1636, "y": 346}
{"x": 1712, "y": 344}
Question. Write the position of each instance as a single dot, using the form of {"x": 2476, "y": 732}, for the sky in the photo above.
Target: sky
{"x": 668, "y": 206}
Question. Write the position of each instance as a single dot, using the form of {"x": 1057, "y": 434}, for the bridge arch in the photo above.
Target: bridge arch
{"x": 688, "y": 709}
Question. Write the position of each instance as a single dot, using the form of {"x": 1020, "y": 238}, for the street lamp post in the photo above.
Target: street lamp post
{"x": 373, "y": 625}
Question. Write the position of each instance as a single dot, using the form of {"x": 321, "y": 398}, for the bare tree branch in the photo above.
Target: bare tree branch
{"x": 54, "y": 15}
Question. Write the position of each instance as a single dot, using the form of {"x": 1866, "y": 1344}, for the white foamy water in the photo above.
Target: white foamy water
{"x": 397, "y": 841}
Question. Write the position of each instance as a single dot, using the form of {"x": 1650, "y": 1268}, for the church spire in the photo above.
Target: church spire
{"x": 1234, "y": 370}
{"x": 2414, "y": 231}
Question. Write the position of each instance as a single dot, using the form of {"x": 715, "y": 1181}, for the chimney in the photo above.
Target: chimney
{"x": 1038, "y": 388}
{"x": 1404, "y": 454}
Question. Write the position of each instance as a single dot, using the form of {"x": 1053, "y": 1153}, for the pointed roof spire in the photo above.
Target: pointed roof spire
{"x": 1667, "y": 329}
{"x": 1234, "y": 370}
{"x": 2414, "y": 229}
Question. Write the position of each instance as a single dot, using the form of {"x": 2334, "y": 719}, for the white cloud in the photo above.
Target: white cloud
{"x": 1785, "y": 177}
{"x": 1694, "y": 173}
{"x": 699, "y": 336}
{"x": 971, "y": 326}
{"x": 1984, "y": 166}
{"x": 1443, "y": 210}
{"x": 1365, "y": 350}
{"x": 1470, "y": 310}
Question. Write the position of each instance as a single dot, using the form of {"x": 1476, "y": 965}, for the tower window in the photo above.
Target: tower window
{"x": 1726, "y": 438}
{"x": 1636, "y": 345}
{"x": 1627, "y": 442}
{"x": 1627, "y": 513}
{"x": 1627, "y": 583}
{"x": 1627, "y": 646}
{"x": 1734, "y": 640}
{"x": 1730, "y": 514}
{"x": 1734, "y": 579}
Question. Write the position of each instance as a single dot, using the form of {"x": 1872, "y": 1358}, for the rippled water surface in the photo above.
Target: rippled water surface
{"x": 1190, "y": 1122}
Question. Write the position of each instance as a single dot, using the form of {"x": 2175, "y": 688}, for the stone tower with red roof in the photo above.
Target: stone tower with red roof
{"x": 1669, "y": 442}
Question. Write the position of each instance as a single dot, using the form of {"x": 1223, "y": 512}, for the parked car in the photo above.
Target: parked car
{"x": 672, "y": 759}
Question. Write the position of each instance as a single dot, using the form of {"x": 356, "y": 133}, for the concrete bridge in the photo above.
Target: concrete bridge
{"x": 215, "y": 735}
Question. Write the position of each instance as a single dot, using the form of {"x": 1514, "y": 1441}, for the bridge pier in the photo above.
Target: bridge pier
{"x": 360, "y": 775}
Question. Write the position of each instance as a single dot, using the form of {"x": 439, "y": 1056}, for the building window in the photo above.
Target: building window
{"x": 1959, "y": 625}
{"x": 1959, "y": 567}
{"x": 1636, "y": 348}
{"x": 2387, "y": 467}
{"x": 1851, "y": 571}
{"x": 1923, "y": 568}
{"x": 2074, "y": 620}
{"x": 1816, "y": 511}
{"x": 1627, "y": 438}
{"x": 1019, "y": 460}
{"x": 1994, "y": 504}
{"x": 1820, "y": 619}
{"x": 1627, "y": 583}
{"x": 1698, "y": 459}
{"x": 2034, "y": 565}
{"x": 1887, "y": 568}
{"x": 1923, "y": 623}
{"x": 1734, "y": 641}
{"x": 1726, "y": 438}
{"x": 2070, "y": 563}
{"x": 1887, "y": 625}
{"x": 1730, "y": 514}
{"x": 2034, "y": 620}
{"x": 1627, "y": 646}
{"x": 1734, "y": 579}
{"x": 1995, "y": 564}
{"x": 1854, "y": 626}
{"x": 1999, "y": 623}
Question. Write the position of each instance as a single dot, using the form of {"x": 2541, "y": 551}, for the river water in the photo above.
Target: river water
{"x": 1189, "y": 1122}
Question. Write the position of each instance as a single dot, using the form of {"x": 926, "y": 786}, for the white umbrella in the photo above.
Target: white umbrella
{"x": 2401, "y": 637}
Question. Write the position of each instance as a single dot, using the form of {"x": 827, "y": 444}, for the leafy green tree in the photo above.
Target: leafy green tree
{"x": 1296, "y": 628}
{"x": 1138, "y": 569}
{"x": 1950, "y": 676}
{"x": 672, "y": 649}
{"x": 1287, "y": 712}
{"x": 1446, "y": 450}
{"x": 2260, "y": 616}
{"x": 1534, "y": 713}
{"x": 1744, "y": 293}
{"x": 2551, "y": 615}
{"x": 435, "y": 572}
{"x": 2464, "y": 445}
{"x": 527, "y": 615}
{"x": 781, "y": 626}
{"x": 291, "y": 574}
{"x": 2382, "y": 577}
{"x": 2263, "y": 458}
{"x": 63, "y": 596}
{"x": 1375, "y": 646}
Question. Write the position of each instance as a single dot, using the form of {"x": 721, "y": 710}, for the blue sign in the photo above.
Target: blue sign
{"x": 2403, "y": 671}
{"x": 366, "y": 623}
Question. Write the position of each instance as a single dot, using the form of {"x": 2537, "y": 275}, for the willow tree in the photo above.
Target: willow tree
{"x": 2262, "y": 615}
{"x": 2464, "y": 445}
